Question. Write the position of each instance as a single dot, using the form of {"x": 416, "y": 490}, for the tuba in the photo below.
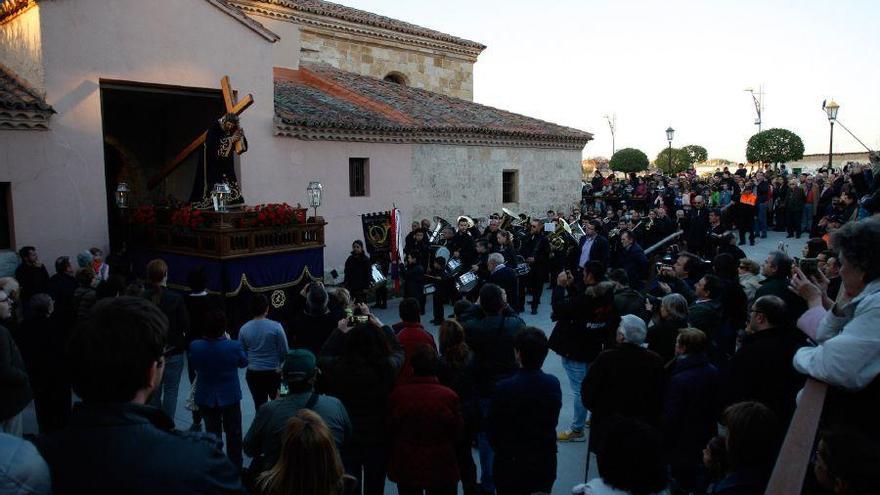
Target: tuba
{"x": 561, "y": 239}
{"x": 507, "y": 219}
{"x": 439, "y": 224}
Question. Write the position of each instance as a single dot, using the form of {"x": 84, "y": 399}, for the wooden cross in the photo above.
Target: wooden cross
{"x": 231, "y": 107}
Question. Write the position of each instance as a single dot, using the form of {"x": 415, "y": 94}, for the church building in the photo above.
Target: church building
{"x": 380, "y": 111}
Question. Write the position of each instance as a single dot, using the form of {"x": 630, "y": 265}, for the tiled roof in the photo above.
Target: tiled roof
{"x": 319, "y": 7}
{"x": 318, "y": 96}
{"x": 20, "y": 106}
{"x": 9, "y": 8}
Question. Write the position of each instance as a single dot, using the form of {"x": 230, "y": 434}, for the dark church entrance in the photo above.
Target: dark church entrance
{"x": 145, "y": 126}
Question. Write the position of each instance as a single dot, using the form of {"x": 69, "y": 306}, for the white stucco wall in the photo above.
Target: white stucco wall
{"x": 326, "y": 161}
{"x": 454, "y": 180}
{"x": 58, "y": 177}
{"x": 20, "y": 48}
{"x": 287, "y": 49}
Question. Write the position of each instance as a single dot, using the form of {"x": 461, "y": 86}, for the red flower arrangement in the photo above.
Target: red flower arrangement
{"x": 276, "y": 215}
{"x": 188, "y": 217}
{"x": 144, "y": 215}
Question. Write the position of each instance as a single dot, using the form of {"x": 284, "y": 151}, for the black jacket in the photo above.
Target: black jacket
{"x": 778, "y": 286}
{"x": 521, "y": 427}
{"x": 661, "y": 337}
{"x": 599, "y": 251}
{"x": 628, "y": 301}
{"x": 464, "y": 244}
{"x": 414, "y": 281}
{"x": 584, "y": 324}
{"x": 133, "y": 449}
{"x": 357, "y": 273}
{"x": 698, "y": 226}
{"x": 761, "y": 370}
{"x": 689, "y": 409}
{"x": 538, "y": 247}
{"x": 33, "y": 280}
{"x": 626, "y": 381}
{"x": 172, "y": 304}
{"x": 61, "y": 287}
{"x": 362, "y": 386}
{"x": 490, "y": 337}
{"x": 310, "y": 331}
{"x": 635, "y": 263}
{"x": 507, "y": 280}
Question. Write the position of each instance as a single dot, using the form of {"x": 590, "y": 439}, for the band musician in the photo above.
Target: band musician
{"x": 535, "y": 250}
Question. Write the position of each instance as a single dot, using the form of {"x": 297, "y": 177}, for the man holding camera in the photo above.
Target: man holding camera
{"x": 298, "y": 372}
{"x": 583, "y": 325}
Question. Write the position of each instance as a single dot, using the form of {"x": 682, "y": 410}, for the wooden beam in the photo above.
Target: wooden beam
{"x": 243, "y": 104}
{"x": 231, "y": 107}
{"x": 227, "y": 94}
{"x": 794, "y": 457}
{"x": 172, "y": 164}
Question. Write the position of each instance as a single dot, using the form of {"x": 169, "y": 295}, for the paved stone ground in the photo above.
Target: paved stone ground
{"x": 571, "y": 456}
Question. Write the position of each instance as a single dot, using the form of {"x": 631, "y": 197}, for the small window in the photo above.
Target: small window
{"x": 358, "y": 177}
{"x": 396, "y": 78}
{"x": 510, "y": 186}
{"x": 5, "y": 216}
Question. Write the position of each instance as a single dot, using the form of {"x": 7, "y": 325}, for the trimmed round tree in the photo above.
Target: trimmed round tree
{"x": 681, "y": 161}
{"x": 775, "y": 146}
{"x": 696, "y": 153}
{"x": 629, "y": 160}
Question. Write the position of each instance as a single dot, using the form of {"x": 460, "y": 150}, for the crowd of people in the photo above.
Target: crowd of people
{"x": 685, "y": 373}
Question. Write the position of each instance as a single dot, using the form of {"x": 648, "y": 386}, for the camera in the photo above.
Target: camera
{"x": 354, "y": 320}
{"x": 810, "y": 266}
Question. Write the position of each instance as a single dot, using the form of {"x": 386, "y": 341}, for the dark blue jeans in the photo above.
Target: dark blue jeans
{"x": 226, "y": 419}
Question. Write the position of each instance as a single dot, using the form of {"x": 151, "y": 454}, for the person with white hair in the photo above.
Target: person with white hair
{"x": 624, "y": 381}
{"x": 505, "y": 277}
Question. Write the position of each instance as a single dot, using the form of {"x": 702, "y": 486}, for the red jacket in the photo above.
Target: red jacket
{"x": 412, "y": 335}
{"x": 424, "y": 423}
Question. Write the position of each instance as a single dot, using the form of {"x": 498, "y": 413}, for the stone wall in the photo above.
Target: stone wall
{"x": 453, "y": 180}
{"x": 420, "y": 68}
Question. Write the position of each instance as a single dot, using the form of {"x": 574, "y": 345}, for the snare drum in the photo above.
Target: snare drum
{"x": 467, "y": 282}
{"x": 454, "y": 267}
{"x": 522, "y": 268}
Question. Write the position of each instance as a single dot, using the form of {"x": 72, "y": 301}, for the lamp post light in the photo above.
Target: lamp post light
{"x": 315, "y": 191}
{"x": 669, "y": 133}
{"x": 122, "y": 192}
{"x": 831, "y": 109}
{"x": 219, "y": 195}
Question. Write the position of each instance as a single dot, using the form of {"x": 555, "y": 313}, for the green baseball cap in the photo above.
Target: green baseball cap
{"x": 299, "y": 364}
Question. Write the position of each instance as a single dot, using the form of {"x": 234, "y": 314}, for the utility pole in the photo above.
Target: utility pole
{"x": 612, "y": 124}
{"x": 758, "y": 100}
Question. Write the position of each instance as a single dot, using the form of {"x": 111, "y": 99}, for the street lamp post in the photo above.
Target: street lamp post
{"x": 315, "y": 192}
{"x": 669, "y": 133}
{"x": 831, "y": 109}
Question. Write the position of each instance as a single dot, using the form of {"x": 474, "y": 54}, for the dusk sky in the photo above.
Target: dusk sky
{"x": 679, "y": 63}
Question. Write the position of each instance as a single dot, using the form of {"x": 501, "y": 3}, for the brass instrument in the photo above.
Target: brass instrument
{"x": 561, "y": 239}
{"x": 508, "y": 218}
{"x": 439, "y": 225}
{"x": 577, "y": 232}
